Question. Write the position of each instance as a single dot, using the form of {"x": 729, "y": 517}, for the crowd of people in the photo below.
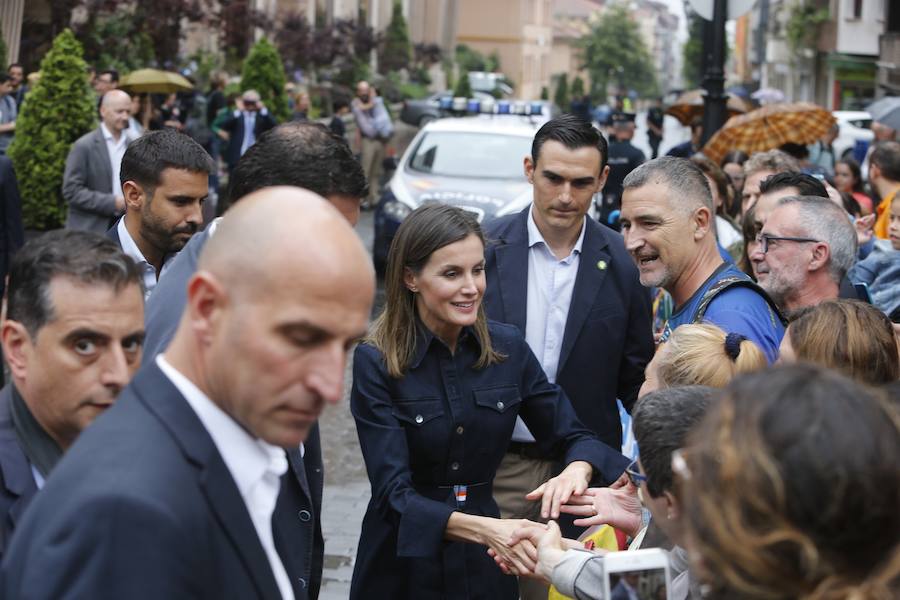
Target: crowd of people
{"x": 159, "y": 437}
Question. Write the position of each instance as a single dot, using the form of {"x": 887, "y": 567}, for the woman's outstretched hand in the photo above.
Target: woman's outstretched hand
{"x": 556, "y": 491}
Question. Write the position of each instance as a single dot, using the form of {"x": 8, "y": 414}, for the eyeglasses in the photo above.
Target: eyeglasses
{"x": 765, "y": 239}
{"x": 634, "y": 474}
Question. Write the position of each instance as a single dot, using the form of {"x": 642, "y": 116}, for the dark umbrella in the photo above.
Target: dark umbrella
{"x": 886, "y": 111}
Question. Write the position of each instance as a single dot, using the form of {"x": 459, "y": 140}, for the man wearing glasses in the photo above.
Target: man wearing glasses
{"x": 805, "y": 249}
{"x": 667, "y": 222}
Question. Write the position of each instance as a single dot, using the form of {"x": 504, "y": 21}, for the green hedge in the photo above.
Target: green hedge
{"x": 264, "y": 72}
{"x": 56, "y": 112}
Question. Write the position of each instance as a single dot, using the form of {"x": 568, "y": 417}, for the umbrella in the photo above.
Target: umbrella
{"x": 769, "y": 127}
{"x": 768, "y": 95}
{"x": 886, "y": 111}
{"x": 690, "y": 104}
{"x": 154, "y": 81}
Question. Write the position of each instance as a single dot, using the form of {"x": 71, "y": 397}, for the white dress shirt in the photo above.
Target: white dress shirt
{"x": 249, "y": 130}
{"x": 550, "y": 285}
{"x": 129, "y": 247}
{"x": 116, "y": 151}
{"x": 256, "y": 466}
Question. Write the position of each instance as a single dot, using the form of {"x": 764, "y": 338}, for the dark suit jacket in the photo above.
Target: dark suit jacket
{"x": 18, "y": 487}
{"x": 143, "y": 506}
{"x": 234, "y": 125}
{"x": 162, "y": 312}
{"x": 113, "y": 232}
{"x": 87, "y": 185}
{"x": 608, "y": 339}
{"x": 12, "y": 233}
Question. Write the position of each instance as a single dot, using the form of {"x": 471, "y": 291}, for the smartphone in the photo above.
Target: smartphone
{"x": 642, "y": 574}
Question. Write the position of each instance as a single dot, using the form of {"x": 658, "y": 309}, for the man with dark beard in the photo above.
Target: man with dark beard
{"x": 165, "y": 176}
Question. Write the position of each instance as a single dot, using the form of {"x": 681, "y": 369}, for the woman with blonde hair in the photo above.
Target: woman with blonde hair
{"x": 436, "y": 391}
{"x": 790, "y": 488}
{"x": 849, "y": 336}
{"x": 701, "y": 354}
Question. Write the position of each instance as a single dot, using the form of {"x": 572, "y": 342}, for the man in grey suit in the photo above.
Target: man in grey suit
{"x": 91, "y": 182}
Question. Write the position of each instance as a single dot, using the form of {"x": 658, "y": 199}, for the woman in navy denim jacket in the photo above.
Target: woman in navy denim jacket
{"x": 436, "y": 391}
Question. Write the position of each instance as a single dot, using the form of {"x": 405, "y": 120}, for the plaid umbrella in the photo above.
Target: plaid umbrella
{"x": 690, "y": 104}
{"x": 769, "y": 127}
{"x": 154, "y": 81}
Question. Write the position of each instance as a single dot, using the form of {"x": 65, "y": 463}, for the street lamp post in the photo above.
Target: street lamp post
{"x": 715, "y": 114}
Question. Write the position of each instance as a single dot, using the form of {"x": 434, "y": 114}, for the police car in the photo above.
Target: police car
{"x": 473, "y": 162}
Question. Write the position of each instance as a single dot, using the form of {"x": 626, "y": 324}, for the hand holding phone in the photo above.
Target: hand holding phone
{"x": 637, "y": 573}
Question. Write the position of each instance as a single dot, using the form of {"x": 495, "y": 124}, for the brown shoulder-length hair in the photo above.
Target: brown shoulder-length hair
{"x": 425, "y": 230}
{"x": 849, "y": 336}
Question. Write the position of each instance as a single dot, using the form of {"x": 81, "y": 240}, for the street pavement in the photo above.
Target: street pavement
{"x": 347, "y": 491}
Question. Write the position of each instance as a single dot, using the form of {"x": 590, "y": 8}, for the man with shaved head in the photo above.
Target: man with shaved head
{"x": 91, "y": 184}
{"x": 306, "y": 155}
{"x": 175, "y": 493}
{"x": 667, "y": 222}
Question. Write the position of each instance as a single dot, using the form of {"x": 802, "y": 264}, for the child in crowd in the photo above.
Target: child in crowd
{"x": 881, "y": 269}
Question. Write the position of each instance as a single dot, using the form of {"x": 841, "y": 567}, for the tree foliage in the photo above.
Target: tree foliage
{"x": 144, "y": 32}
{"x": 469, "y": 59}
{"x": 396, "y": 52}
{"x": 561, "y": 94}
{"x": 577, "y": 89}
{"x": 463, "y": 87}
{"x": 133, "y": 48}
{"x": 692, "y": 51}
{"x": 60, "y": 109}
{"x": 803, "y": 25}
{"x": 614, "y": 52}
{"x": 264, "y": 72}
{"x": 337, "y": 52}
{"x": 2, "y": 48}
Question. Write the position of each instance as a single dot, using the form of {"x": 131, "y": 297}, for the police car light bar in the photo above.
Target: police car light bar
{"x": 460, "y": 106}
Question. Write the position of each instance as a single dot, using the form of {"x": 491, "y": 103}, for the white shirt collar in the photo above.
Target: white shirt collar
{"x": 535, "y": 237}
{"x": 129, "y": 246}
{"x": 247, "y": 458}
{"x": 108, "y": 136}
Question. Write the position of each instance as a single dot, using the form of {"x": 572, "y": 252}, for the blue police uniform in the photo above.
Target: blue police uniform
{"x": 432, "y": 441}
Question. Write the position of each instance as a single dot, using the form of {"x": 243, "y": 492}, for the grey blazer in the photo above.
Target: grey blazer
{"x": 87, "y": 185}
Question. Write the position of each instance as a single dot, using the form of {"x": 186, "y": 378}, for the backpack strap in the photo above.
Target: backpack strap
{"x": 735, "y": 281}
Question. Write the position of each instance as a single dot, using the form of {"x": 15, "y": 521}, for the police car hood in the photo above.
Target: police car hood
{"x": 488, "y": 198}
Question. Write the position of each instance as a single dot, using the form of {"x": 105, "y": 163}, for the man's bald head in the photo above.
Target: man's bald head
{"x": 282, "y": 291}
{"x": 115, "y": 109}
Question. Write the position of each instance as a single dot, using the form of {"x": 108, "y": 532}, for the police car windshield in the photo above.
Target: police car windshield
{"x": 471, "y": 155}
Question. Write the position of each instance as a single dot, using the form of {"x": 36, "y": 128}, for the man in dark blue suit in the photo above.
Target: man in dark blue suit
{"x": 569, "y": 285}
{"x": 72, "y": 338}
{"x": 245, "y": 125}
{"x": 175, "y": 492}
{"x": 306, "y": 155}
